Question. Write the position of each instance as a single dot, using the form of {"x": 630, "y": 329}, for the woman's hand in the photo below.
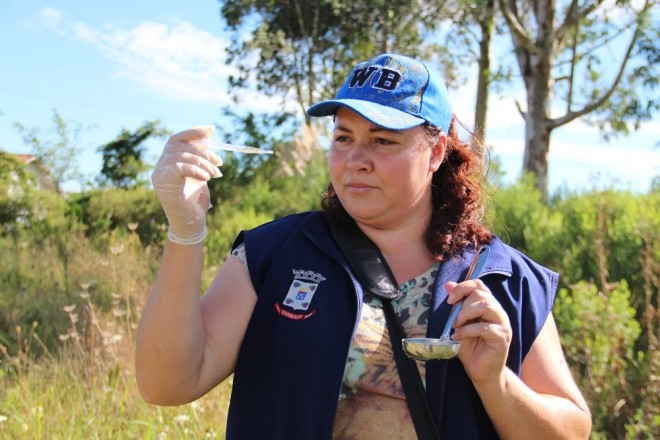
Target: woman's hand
{"x": 483, "y": 329}
{"x": 179, "y": 180}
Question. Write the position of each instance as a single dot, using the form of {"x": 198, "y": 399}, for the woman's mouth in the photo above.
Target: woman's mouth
{"x": 356, "y": 187}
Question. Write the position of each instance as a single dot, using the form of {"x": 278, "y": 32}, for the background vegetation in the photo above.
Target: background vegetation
{"x": 74, "y": 272}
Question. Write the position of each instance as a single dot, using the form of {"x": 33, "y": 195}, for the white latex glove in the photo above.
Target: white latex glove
{"x": 179, "y": 180}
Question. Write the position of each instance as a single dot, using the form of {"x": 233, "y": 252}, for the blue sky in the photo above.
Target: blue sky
{"x": 110, "y": 65}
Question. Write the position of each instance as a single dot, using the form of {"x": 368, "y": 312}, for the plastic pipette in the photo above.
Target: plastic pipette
{"x": 212, "y": 145}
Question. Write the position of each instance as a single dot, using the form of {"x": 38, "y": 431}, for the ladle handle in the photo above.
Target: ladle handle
{"x": 473, "y": 272}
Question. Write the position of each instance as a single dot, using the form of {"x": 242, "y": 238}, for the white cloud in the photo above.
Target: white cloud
{"x": 173, "y": 60}
{"x": 50, "y": 18}
{"x": 626, "y": 157}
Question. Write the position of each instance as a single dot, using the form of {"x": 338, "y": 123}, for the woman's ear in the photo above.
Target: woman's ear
{"x": 438, "y": 152}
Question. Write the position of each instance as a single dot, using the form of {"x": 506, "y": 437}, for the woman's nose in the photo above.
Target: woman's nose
{"x": 358, "y": 158}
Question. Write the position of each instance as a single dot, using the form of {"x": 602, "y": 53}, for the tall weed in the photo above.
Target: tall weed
{"x": 81, "y": 383}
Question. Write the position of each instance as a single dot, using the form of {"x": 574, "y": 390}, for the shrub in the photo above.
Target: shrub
{"x": 121, "y": 210}
{"x": 598, "y": 333}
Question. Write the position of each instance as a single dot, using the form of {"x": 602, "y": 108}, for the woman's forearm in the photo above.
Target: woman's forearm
{"x": 518, "y": 412}
{"x": 170, "y": 333}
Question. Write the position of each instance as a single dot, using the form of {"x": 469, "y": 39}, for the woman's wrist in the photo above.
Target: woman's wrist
{"x": 187, "y": 241}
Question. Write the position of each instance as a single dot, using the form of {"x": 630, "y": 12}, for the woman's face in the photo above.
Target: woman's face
{"x": 383, "y": 177}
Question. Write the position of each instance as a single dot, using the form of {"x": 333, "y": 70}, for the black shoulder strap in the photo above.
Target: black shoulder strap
{"x": 365, "y": 259}
{"x": 369, "y": 265}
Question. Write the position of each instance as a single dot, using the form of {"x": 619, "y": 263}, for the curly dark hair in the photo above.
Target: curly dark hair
{"x": 457, "y": 194}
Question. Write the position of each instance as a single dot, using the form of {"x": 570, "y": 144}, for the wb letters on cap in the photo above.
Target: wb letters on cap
{"x": 386, "y": 80}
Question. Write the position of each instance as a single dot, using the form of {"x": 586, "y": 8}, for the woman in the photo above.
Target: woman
{"x": 308, "y": 347}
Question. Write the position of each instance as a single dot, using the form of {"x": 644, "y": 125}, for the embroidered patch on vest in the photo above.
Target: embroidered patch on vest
{"x": 299, "y": 297}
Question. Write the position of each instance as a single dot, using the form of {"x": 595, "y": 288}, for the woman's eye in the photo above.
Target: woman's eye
{"x": 341, "y": 138}
{"x": 383, "y": 141}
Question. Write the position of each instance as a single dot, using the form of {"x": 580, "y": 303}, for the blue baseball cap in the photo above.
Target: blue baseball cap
{"x": 392, "y": 91}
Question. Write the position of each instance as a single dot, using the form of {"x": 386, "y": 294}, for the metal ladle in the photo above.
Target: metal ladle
{"x": 428, "y": 349}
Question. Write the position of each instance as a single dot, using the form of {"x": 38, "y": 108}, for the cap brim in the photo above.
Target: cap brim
{"x": 380, "y": 115}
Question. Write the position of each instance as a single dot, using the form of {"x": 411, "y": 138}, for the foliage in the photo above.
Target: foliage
{"x": 598, "y": 235}
{"x": 39, "y": 277}
{"x": 52, "y": 336}
{"x": 58, "y": 147}
{"x": 123, "y": 158}
{"x": 564, "y": 57}
{"x": 302, "y": 51}
{"x": 76, "y": 270}
{"x": 606, "y": 233}
{"x": 265, "y": 131}
{"x": 224, "y": 223}
{"x": 628, "y": 109}
{"x": 606, "y": 246}
{"x": 522, "y": 219}
{"x": 114, "y": 209}
{"x": 75, "y": 379}
{"x": 290, "y": 180}
{"x": 598, "y": 332}
{"x": 471, "y": 36}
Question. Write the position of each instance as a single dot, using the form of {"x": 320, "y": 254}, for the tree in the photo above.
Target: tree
{"x": 471, "y": 35}
{"x": 302, "y": 51}
{"x": 122, "y": 158}
{"x": 561, "y": 56}
{"x": 60, "y": 153}
{"x": 485, "y": 20}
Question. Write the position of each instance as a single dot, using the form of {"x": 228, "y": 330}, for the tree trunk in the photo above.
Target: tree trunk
{"x": 535, "y": 57}
{"x": 483, "y": 84}
{"x": 537, "y": 119}
{"x": 537, "y": 135}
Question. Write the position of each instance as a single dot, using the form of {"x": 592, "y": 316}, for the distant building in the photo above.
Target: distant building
{"x": 36, "y": 166}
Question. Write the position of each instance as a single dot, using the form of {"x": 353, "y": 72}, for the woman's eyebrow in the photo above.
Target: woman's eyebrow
{"x": 377, "y": 129}
{"x": 374, "y": 129}
{"x": 342, "y": 128}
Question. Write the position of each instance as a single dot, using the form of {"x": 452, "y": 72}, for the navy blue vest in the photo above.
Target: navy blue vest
{"x": 291, "y": 363}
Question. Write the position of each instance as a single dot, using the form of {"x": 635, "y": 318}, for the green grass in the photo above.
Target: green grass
{"x": 69, "y": 374}
{"x": 54, "y": 401}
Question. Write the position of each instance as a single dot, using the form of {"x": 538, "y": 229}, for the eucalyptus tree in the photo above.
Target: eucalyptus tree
{"x": 484, "y": 17}
{"x": 589, "y": 59}
{"x": 470, "y": 36}
{"x": 302, "y": 50}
